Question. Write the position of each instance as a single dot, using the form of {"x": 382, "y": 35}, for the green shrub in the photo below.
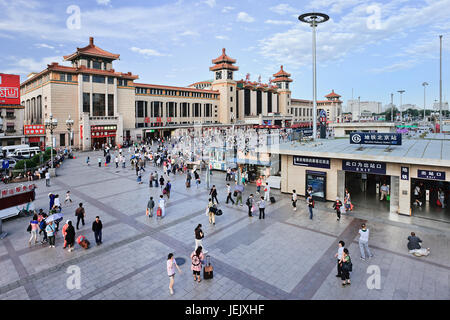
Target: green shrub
{"x": 19, "y": 165}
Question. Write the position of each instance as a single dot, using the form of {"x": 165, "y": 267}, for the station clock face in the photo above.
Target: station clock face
{"x": 230, "y": 75}
{"x": 218, "y": 75}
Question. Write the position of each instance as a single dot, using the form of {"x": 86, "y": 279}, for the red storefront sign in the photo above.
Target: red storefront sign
{"x": 9, "y": 89}
{"x": 169, "y": 119}
{"x": 103, "y": 131}
{"x": 34, "y": 139}
{"x": 158, "y": 119}
{"x": 33, "y": 129}
{"x": 147, "y": 120}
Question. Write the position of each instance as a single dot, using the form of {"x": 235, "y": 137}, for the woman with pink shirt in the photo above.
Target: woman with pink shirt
{"x": 171, "y": 264}
{"x": 34, "y": 229}
{"x": 197, "y": 258}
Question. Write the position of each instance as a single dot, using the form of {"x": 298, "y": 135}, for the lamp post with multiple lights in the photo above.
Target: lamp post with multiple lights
{"x": 313, "y": 19}
{"x": 69, "y": 124}
{"x": 51, "y": 124}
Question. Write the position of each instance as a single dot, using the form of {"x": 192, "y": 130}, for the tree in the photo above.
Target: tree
{"x": 387, "y": 113}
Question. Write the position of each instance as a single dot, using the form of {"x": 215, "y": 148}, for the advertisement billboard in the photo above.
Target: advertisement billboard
{"x": 9, "y": 89}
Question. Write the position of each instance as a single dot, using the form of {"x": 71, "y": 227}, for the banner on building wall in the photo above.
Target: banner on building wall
{"x": 432, "y": 175}
{"x": 364, "y": 166}
{"x": 405, "y": 173}
{"x": 33, "y": 129}
{"x": 9, "y": 89}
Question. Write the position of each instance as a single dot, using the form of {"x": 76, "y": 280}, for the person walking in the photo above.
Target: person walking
{"x": 97, "y": 227}
{"x": 150, "y": 207}
{"x": 258, "y": 184}
{"x": 161, "y": 182}
{"x": 267, "y": 192}
{"x": 155, "y": 177}
{"x": 196, "y": 266}
{"x": 139, "y": 176}
{"x": 171, "y": 264}
{"x": 64, "y": 232}
{"x": 42, "y": 227}
{"x": 199, "y": 235}
{"x": 229, "y": 197}
{"x": 384, "y": 190}
{"x": 346, "y": 267}
{"x": 294, "y": 200}
{"x": 34, "y": 228}
{"x": 47, "y": 178}
{"x": 70, "y": 235}
{"x": 339, "y": 255}
{"x": 67, "y": 197}
{"x": 348, "y": 200}
{"x": 441, "y": 198}
{"x": 87, "y": 160}
{"x": 262, "y": 207}
{"x": 364, "y": 242}
{"x": 99, "y": 162}
{"x": 213, "y": 194}
{"x": 150, "y": 180}
{"x": 168, "y": 188}
{"x": 211, "y": 212}
{"x": 238, "y": 190}
{"x": 162, "y": 205}
{"x": 310, "y": 203}
{"x": 50, "y": 228}
{"x": 337, "y": 206}
{"x": 80, "y": 214}
{"x": 250, "y": 203}
{"x": 116, "y": 160}
{"x": 197, "y": 178}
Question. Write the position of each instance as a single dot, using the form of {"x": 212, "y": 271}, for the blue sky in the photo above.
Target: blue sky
{"x": 374, "y": 47}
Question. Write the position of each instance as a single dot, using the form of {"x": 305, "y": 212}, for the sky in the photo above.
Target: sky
{"x": 370, "y": 48}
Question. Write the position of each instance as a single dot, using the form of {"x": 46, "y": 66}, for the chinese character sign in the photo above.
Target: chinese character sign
{"x": 404, "y": 175}
{"x": 432, "y": 175}
{"x": 33, "y": 129}
{"x": 306, "y": 161}
{"x": 378, "y": 138}
{"x": 364, "y": 166}
{"x": 9, "y": 89}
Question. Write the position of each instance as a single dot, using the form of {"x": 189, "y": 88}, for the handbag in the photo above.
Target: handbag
{"x": 438, "y": 203}
{"x": 29, "y": 228}
{"x": 388, "y": 197}
{"x": 146, "y": 212}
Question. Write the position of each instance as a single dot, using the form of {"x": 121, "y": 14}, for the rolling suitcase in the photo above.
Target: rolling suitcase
{"x": 85, "y": 244}
{"x": 272, "y": 200}
{"x": 208, "y": 269}
{"x": 188, "y": 183}
{"x": 159, "y": 212}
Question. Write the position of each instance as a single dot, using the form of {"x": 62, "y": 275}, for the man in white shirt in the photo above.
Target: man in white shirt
{"x": 47, "y": 178}
{"x": 364, "y": 242}
{"x": 338, "y": 255}
{"x": 384, "y": 191}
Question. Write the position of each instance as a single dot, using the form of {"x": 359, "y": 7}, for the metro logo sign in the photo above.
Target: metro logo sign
{"x": 9, "y": 89}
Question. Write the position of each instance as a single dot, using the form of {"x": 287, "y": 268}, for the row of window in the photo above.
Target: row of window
{"x": 65, "y": 77}
{"x": 33, "y": 110}
{"x": 172, "y": 109}
{"x": 176, "y": 93}
{"x": 301, "y": 112}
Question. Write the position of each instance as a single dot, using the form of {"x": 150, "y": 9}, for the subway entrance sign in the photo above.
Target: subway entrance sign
{"x": 376, "y": 138}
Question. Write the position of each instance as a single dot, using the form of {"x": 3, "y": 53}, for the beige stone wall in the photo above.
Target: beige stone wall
{"x": 126, "y": 106}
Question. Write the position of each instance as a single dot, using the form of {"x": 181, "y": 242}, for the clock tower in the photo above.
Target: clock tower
{"x": 282, "y": 81}
{"x": 223, "y": 69}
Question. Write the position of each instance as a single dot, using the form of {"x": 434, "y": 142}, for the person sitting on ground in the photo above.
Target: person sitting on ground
{"x": 414, "y": 246}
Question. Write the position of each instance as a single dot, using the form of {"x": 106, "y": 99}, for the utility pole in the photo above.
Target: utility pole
{"x": 440, "y": 85}
{"x": 424, "y": 101}
{"x": 392, "y": 107}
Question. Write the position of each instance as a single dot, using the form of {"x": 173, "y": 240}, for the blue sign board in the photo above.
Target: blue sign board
{"x": 405, "y": 173}
{"x": 364, "y": 166}
{"x": 305, "y": 131}
{"x": 433, "y": 175}
{"x": 311, "y": 162}
{"x": 376, "y": 138}
{"x": 5, "y": 164}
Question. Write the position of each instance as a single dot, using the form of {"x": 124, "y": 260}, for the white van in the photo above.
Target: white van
{"x": 10, "y": 149}
{"x": 26, "y": 153}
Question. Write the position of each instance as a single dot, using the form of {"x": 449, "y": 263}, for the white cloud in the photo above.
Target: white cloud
{"x": 44, "y": 45}
{"x": 227, "y": 9}
{"x": 210, "y": 3}
{"x": 279, "y": 22}
{"x": 24, "y": 66}
{"x": 222, "y": 37}
{"x": 245, "y": 17}
{"x": 147, "y": 52}
{"x": 190, "y": 33}
{"x": 399, "y": 28}
{"x": 283, "y": 8}
{"x": 104, "y": 2}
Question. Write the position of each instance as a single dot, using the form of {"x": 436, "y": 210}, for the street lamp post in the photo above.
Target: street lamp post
{"x": 359, "y": 109}
{"x": 313, "y": 19}
{"x": 69, "y": 124}
{"x": 401, "y": 104}
{"x": 51, "y": 124}
{"x": 440, "y": 84}
{"x": 392, "y": 107}
{"x": 424, "y": 101}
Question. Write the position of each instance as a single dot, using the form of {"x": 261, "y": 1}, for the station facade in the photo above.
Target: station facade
{"x": 111, "y": 107}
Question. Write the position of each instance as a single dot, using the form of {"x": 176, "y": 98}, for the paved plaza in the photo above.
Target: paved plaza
{"x": 286, "y": 256}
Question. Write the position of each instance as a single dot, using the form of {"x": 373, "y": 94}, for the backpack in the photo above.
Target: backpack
{"x": 42, "y": 225}
{"x": 196, "y": 259}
